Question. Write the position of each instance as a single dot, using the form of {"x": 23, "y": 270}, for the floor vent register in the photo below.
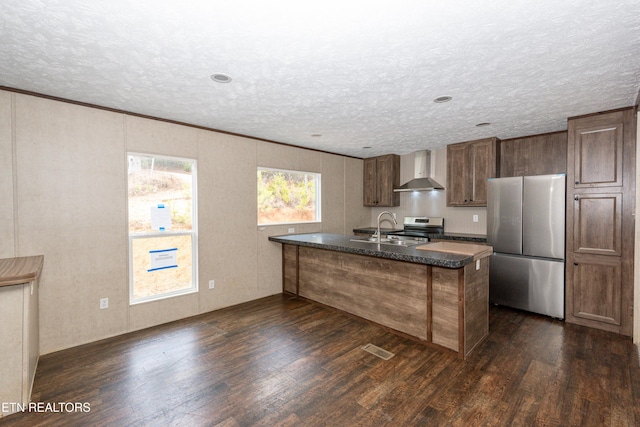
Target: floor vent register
{"x": 377, "y": 351}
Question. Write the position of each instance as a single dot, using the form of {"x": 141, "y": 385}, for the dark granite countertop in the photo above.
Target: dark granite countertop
{"x": 343, "y": 243}
{"x": 478, "y": 238}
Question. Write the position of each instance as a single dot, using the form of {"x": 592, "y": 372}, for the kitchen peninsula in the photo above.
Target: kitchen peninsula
{"x": 437, "y": 293}
{"x": 19, "y": 317}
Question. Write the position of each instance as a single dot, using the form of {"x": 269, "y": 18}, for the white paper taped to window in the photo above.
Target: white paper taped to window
{"x": 161, "y": 217}
{"x": 163, "y": 258}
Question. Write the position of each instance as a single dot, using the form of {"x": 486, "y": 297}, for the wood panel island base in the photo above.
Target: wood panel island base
{"x": 439, "y": 298}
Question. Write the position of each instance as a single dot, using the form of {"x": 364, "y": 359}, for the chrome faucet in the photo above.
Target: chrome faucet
{"x": 393, "y": 217}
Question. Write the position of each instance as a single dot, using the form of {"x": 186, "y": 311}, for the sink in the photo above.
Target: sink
{"x": 387, "y": 241}
{"x": 370, "y": 239}
{"x": 399, "y": 242}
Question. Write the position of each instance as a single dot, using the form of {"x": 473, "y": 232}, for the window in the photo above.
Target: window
{"x": 288, "y": 196}
{"x": 162, "y": 227}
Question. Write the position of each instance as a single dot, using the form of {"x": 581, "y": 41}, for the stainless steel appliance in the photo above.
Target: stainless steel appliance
{"x": 526, "y": 227}
{"x": 420, "y": 226}
{"x": 422, "y": 180}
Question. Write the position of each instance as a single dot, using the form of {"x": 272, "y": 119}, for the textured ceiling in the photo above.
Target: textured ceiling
{"x": 360, "y": 73}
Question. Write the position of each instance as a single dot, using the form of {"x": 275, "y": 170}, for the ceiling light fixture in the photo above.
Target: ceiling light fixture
{"x": 220, "y": 78}
{"x": 443, "y": 99}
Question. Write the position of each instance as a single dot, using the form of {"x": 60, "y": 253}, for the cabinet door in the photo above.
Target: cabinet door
{"x": 598, "y": 152}
{"x": 388, "y": 170}
{"x": 533, "y": 155}
{"x": 597, "y": 224}
{"x": 469, "y": 165}
{"x": 457, "y": 175}
{"x": 597, "y": 289}
{"x": 370, "y": 193}
{"x": 482, "y": 159}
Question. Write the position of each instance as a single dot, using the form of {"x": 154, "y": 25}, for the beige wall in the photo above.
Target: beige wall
{"x": 636, "y": 292}
{"x": 70, "y": 208}
{"x": 433, "y": 203}
{"x": 64, "y": 165}
{"x": 7, "y": 241}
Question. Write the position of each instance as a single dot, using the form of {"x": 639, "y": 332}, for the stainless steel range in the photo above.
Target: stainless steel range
{"x": 420, "y": 226}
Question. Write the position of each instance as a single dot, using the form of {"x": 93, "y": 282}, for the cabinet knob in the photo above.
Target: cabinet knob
{"x": 576, "y": 197}
{"x": 575, "y": 263}
{"x": 577, "y": 182}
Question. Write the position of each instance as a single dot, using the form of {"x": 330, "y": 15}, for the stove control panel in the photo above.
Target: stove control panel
{"x": 424, "y": 221}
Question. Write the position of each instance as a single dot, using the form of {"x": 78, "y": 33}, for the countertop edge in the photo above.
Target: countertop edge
{"x": 436, "y": 259}
{"x": 20, "y": 270}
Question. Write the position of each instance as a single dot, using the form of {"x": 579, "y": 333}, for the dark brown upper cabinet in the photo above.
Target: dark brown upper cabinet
{"x": 381, "y": 176}
{"x": 544, "y": 154}
{"x": 469, "y": 165}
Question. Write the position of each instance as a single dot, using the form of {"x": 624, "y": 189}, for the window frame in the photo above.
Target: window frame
{"x": 167, "y": 233}
{"x": 318, "y": 210}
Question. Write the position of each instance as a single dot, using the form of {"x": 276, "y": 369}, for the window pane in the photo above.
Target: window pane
{"x": 159, "y": 181}
{"x": 288, "y": 196}
{"x": 149, "y": 278}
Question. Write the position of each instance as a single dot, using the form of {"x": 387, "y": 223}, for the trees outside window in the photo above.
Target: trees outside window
{"x": 286, "y": 196}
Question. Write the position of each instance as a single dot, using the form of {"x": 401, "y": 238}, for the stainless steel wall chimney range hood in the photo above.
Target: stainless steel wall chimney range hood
{"x": 421, "y": 180}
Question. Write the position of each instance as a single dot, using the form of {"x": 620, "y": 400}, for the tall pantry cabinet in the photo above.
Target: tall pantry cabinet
{"x": 600, "y": 220}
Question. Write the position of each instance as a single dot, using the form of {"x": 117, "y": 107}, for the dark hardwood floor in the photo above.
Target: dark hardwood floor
{"x": 280, "y": 361}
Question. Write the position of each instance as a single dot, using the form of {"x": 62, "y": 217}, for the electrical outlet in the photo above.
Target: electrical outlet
{"x": 475, "y": 218}
{"x": 292, "y": 230}
{"x": 212, "y": 284}
{"x": 104, "y": 303}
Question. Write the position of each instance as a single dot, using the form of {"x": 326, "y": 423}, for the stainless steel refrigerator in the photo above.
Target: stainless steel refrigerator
{"x": 526, "y": 227}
